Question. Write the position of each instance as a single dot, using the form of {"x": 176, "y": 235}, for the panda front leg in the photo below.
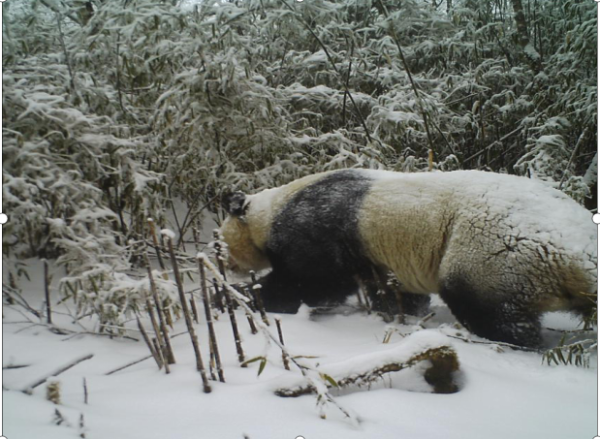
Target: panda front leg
{"x": 284, "y": 293}
{"x": 510, "y": 320}
{"x": 279, "y": 294}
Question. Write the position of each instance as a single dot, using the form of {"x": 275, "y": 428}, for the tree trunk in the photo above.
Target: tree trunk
{"x": 523, "y": 34}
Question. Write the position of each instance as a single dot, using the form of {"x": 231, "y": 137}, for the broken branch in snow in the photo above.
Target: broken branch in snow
{"x": 15, "y": 366}
{"x": 28, "y": 389}
{"x": 443, "y": 359}
{"x": 133, "y": 363}
{"x": 157, "y": 248}
{"x": 128, "y": 365}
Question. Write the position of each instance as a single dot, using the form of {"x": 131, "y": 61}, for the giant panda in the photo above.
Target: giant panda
{"x": 499, "y": 249}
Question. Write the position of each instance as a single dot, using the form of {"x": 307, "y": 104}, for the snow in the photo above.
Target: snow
{"x": 317, "y": 57}
{"x": 502, "y": 393}
{"x": 169, "y": 234}
{"x": 90, "y": 215}
{"x": 531, "y": 52}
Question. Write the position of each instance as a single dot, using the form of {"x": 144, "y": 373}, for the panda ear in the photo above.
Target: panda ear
{"x": 235, "y": 203}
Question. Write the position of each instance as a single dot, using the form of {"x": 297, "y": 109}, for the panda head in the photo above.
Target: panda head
{"x": 235, "y": 203}
{"x": 239, "y": 231}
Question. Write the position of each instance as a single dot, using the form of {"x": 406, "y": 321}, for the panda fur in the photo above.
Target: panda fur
{"x": 499, "y": 249}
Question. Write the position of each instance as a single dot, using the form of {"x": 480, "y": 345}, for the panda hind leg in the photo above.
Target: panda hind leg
{"x": 509, "y": 321}
{"x": 416, "y": 304}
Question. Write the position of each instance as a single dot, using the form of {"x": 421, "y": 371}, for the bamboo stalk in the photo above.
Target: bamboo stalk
{"x": 234, "y": 327}
{"x": 246, "y": 292}
{"x": 85, "y": 391}
{"x": 170, "y": 357}
{"x": 47, "y": 293}
{"x": 209, "y": 322}
{"x": 160, "y": 344}
{"x": 81, "y": 426}
{"x": 188, "y": 319}
{"x": 160, "y": 352}
{"x": 148, "y": 343}
{"x": 218, "y": 296}
{"x": 194, "y": 308}
{"x": 211, "y": 363}
{"x": 430, "y": 160}
{"x": 256, "y": 292}
{"x": 168, "y": 317}
{"x": 286, "y": 363}
{"x": 219, "y": 251}
{"x": 196, "y": 236}
{"x": 157, "y": 248}
{"x": 251, "y": 324}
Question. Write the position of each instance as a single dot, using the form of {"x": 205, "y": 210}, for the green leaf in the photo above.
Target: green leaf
{"x": 263, "y": 364}
{"x": 329, "y": 379}
{"x": 252, "y": 360}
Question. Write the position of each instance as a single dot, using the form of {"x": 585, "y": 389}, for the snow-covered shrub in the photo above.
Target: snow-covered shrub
{"x": 113, "y": 298}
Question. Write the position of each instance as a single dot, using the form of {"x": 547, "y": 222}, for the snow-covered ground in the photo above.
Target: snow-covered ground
{"x": 507, "y": 394}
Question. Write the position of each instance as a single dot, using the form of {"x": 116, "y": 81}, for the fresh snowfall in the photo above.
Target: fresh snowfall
{"x": 503, "y": 393}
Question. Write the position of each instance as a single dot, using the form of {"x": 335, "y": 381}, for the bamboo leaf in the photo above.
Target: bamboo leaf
{"x": 329, "y": 379}
{"x": 263, "y": 364}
